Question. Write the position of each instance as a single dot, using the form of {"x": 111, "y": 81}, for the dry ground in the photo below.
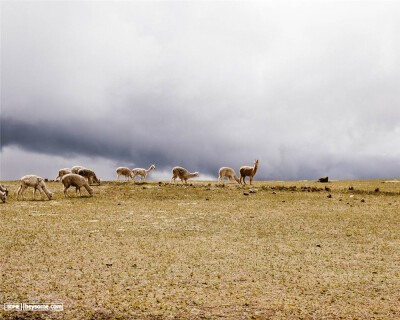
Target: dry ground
{"x": 205, "y": 252}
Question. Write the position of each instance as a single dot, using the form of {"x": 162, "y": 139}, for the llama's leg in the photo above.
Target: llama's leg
{"x": 244, "y": 177}
{"x": 251, "y": 179}
{"x": 65, "y": 191}
{"x": 173, "y": 178}
{"x": 18, "y": 192}
{"x": 34, "y": 192}
{"x": 79, "y": 188}
{"x": 117, "y": 176}
{"x": 23, "y": 191}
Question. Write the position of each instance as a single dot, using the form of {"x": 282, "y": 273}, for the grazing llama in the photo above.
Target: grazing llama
{"x": 247, "y": 171}
{"x": 124, "y": 171}
{"x": 89, "y": 175}
{"x": 142, "y": 172}
{"x": 183, "y": 174}
{"x": 77, "y": 181}
{"x": 37, "y": 183}
{"x": 3, "y": 196}
{"x": 4, "y": 189}
{"x": 3, "y": 193}
{"x": 229, "y": 173}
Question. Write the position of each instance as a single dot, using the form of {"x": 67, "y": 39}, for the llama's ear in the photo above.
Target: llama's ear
{"x": 40, "y": 179}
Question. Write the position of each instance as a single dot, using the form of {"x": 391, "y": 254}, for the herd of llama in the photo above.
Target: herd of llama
{"x": 79, "y": 177}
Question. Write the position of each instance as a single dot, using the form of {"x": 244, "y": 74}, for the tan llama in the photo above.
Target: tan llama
{"x": 247, "y": 171}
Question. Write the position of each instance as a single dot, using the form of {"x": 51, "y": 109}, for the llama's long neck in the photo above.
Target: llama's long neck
{"x": 89, "y": 189}
{"x": 255, "y": 169}
{"x": 236, "y": 178}
{"x": 46, "y": 191}
{"x": 192, "y": 175}
{"x": 150, "y": 169}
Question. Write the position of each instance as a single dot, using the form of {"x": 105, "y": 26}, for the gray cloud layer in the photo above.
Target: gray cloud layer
{"x": 310, "y": 89}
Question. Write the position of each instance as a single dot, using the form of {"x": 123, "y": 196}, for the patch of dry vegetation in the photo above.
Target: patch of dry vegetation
{"x": 155, "y": 250}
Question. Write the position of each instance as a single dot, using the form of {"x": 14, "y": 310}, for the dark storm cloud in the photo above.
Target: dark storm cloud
{"x": 75, "y": 139}
{"x": 118, "y": 142}
{"x": 207, "y": 158}
{"x": 308, "y": 89}
{"x": 54, "y": 139}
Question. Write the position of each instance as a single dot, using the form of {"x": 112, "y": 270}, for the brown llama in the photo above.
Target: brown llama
{"x": 247, "y": 171}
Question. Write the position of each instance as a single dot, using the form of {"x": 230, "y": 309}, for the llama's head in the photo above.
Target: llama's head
{"x": 6, "y": 192}
{"x": 256, "y": 162}
{"x": 91, "y": 191}
{"x": 152, "y": 166}
{"x": 96, "y": 180}
{"x": 50, "y": 195}
{"x": 196, "y": 174}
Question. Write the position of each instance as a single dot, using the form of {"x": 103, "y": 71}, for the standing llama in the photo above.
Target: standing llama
{"x": 183, "y": 174}
{"x": 124, "y": 171}
{"x": 37, "y": 183}
{"x": 229, "y": 173}
{"x": 77, "y": 181}
{"x": 142, "y": 172}
{"x": 247, "y": 171}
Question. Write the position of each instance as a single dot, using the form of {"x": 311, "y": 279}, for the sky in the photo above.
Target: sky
{"x": 309, "y": 88}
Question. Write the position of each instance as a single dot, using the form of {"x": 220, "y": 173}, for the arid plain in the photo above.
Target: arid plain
{"x": 285, "y": 250}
